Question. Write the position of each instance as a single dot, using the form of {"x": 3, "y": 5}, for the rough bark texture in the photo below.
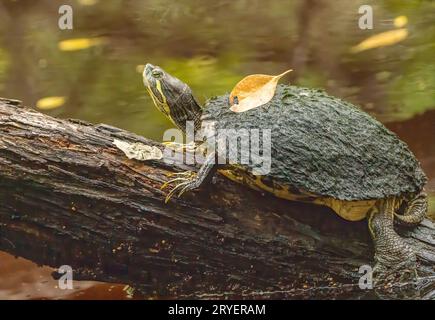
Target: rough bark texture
{"x": 69, "y": 196}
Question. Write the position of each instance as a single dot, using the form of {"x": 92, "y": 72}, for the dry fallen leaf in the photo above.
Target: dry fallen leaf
{"x": 254, "y": 91}
{"x": 49, "y": 103}
{"x": 138, "y": 151}
{"x": 387, "y": 38}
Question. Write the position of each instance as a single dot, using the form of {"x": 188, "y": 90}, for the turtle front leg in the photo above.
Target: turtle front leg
{"x": 188, "y": 180}
{"x": 393, "y": 257}
{"x": 181, "y": 147}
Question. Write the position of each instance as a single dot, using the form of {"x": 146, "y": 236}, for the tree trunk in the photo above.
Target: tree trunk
{"x": 68, "y": 196}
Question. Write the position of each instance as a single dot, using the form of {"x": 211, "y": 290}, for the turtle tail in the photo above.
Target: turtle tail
{"x": 415, "y": 212}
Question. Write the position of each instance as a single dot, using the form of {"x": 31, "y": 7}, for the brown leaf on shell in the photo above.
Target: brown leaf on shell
{"x": 254, "y": 91}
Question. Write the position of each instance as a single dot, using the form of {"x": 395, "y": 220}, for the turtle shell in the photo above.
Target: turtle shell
{"x": 324, "y": 146}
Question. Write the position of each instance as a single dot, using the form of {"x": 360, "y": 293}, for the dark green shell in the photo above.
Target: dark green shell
{"x": 326, "y": 146}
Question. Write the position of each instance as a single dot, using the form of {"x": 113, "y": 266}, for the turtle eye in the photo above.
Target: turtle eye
{"x": 157, "y": 73}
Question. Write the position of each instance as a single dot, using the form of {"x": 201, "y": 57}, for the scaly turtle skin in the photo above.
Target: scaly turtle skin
{"x": 323, "y": 150}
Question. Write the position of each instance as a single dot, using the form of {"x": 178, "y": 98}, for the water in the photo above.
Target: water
{"x": 211, "y": 45}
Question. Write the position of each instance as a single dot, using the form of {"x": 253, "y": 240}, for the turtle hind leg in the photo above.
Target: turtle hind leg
{"x": 415, "y": 212}
{"x": 393, "y": 257}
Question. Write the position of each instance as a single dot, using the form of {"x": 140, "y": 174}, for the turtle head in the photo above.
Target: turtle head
{"x": 172, "y": 97}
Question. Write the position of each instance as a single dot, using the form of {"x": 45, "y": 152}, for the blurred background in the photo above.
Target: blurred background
{"x": 93, "y": 72}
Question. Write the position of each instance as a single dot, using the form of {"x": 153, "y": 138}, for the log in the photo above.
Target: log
{"x": 69, "y": 196}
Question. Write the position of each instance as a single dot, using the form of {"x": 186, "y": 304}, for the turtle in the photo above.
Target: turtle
{"x": 323, "y": 150}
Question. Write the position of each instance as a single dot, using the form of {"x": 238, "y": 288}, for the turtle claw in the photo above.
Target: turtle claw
{"x": 184, "y": 173}
{"x": 167, "y": 183}
{"x": 184, "y": 186}
{"x": 181, "y": 176}
{"x": 401, "y": 272}
{"x": 190, "y": 147}
{"x": 184, "y": 189}
{"x": 187, "y": 182}
{"x": 170, "y": 194}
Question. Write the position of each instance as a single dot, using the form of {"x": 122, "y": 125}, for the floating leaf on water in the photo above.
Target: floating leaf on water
{"x": 400, "y": 21}
{"x": 254, "y": 91}
{"x": 387, "y": 38}
{"x": 49, "y": 103}
{"x": 79, "y": 43}
{"x": 138, "y": 151}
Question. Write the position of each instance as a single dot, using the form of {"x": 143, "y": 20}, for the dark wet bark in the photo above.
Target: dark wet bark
{"x": 69, "y": 196}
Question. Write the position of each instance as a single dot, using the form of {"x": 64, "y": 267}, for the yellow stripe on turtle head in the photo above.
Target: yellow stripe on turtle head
{"x": 161, "y": 105}
{"x": 164, "y": 103}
